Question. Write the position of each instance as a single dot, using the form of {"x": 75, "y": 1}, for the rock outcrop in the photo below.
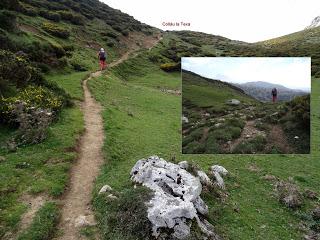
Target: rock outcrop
{"x": 176, "y": 199}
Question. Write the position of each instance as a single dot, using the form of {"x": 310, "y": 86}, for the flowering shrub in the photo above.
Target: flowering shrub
{"x": 32, "y": 97}
{"x": 170, "y": 67}
{"x": 56, "y": 30}
{"x": 33, "y": 125}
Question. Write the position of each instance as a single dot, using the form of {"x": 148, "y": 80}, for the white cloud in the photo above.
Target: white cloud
{"x": 247, "y": 20}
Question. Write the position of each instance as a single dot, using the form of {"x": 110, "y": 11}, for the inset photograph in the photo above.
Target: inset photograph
{"x": 246, "y": 105}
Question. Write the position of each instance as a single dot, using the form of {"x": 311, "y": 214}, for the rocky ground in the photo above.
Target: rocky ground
{"x": 252, "y": 128}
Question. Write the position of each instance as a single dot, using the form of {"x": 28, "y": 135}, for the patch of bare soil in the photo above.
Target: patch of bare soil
{"x": 33, "y": 203}
{"x": 28, "y": 28}
{"x": 249, "y": 132}
{"x": 278, "y": 138}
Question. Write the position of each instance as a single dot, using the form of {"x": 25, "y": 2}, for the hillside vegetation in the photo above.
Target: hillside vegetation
{"x": 213, "y": 125}
{"x": 48, "y": 47}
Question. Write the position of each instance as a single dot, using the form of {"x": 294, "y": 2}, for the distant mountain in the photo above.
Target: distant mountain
{"x": 262, "y": 91}
{"x": 315, "y": 23}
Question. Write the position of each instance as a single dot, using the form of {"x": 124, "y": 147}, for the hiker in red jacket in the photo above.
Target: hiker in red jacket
{"x": 102, "y": 58}
{"x": 274, "y": 94}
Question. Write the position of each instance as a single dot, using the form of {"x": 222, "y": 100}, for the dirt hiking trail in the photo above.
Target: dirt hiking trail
{"x": 76, "y": 207}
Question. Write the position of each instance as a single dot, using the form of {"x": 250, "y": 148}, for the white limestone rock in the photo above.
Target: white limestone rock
{"x": 217, "y": 171}
{"x": 184, "y": 165}
{"x": 105, "y": 188}
{"x": 176, "y": 195}
{"x": 204, "y": 179}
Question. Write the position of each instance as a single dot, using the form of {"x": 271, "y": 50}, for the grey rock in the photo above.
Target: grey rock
{"x": 204, "y": 179}
{"x": 105, "y": 188}
{"x": 183, "y": 165}
{"x": 184, "y": 119}
{"x": 233, "y": 102}
{"x": 217, "y": 171}
{"x": 176, "y": 195}
{"x": 201, "y": 206}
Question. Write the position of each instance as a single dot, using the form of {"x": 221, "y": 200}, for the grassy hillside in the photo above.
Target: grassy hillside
{"x": 141, "y": 120}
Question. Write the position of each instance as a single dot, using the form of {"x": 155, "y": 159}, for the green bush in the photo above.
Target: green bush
{"x": 14, "y": 71}
{"x": 255, "y": 145}
{"x": 50, "y": 15}
{"x": 10, "y": 5}
{"x": 56, "y": 30}
{"x": 235, "y": 122}
{"x": 171, "y": 67}
{"x": 128, "y": 210}
{"x": 300, "y": 108}
{"x": 71, "y": 17}
{"x": 7, "y": 20}
{"x": 212, "y": 145}
{"x": 194, "y": 148}
{"x": 33, "y": 97}
{"x": 28, "y": 10}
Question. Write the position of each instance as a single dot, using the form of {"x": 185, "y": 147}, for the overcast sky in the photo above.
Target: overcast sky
{"x": 246, "y": 20}
{"x": 290, "y": 72}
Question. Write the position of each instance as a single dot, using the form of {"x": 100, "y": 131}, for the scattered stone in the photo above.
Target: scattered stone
{"x": 254, "y": 168}
{"x": 311, "y": 194}
{"x": 204, "y": 179}
{"x": 207, "y": 114}
{"x": 269, "y": 178}
{"x": 233, "y": 102}
{"x": 184, "y": 165}
{"x": 105, "y": 188}
{"x": 83, "y": 221}
{"x": 130, "y": 114}
{"x": 312, "y": 236}
{"x": 112, "y": 197}
{"x": 248, "y": 136}
{"x": 184, "y": 119}
{"x": 296, "y": 137}
{"x": 219, "y": 169}
{"x": 289, "y": 194}
{"x": 316, "y": 213}
{"x": 176, "y": 196}
{"x": 218, "y": 125}
{"x": 2, "y": 158}
{"x": 216, "y": 171}
{"x": 22, "y": 165}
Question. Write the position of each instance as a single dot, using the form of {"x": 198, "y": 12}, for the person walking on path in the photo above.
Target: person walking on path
{"x": 274, "y": 94}
{"x": 102, "y": 58}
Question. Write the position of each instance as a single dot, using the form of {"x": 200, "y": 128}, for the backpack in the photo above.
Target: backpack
{"x": 274, "y": 92}
{"x": 102, "y": 55}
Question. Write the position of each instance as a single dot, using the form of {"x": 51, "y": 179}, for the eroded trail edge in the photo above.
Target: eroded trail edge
{"x": 76, "y": 211}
